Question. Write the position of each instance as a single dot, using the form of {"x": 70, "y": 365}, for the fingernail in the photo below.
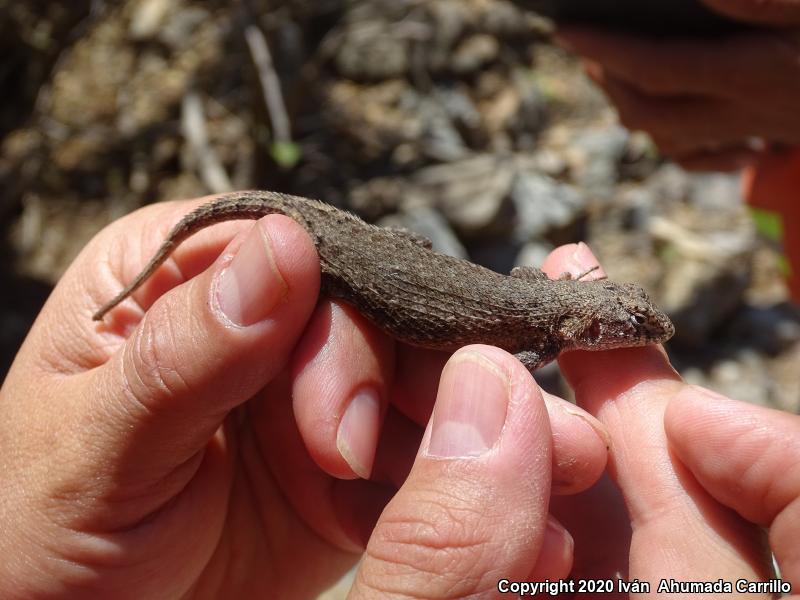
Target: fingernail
{"x": 581, "y": 260}
{"x": 470, "y": 408}
{"x": 357, "y": 436}
{"x": 251, "y": 285}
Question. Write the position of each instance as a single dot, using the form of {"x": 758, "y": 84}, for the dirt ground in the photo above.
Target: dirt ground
{"x": 456, "y": 118}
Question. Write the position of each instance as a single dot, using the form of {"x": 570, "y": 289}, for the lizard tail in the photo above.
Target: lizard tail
{"x": 163, "y": 252}
{"x": 245, "y": 205}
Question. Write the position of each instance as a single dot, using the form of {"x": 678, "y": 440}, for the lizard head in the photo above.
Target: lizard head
{"x": 622, "y": 315}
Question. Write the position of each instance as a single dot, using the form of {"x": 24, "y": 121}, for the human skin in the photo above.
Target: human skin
{"x": 713, "y": 103}
{"x": 211, "y": 446}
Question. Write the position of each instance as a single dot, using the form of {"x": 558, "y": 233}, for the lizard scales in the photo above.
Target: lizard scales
{"x": 432, "y": 300}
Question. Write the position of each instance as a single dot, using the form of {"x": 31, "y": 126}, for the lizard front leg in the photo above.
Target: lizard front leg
{"x": 534, "y": 359}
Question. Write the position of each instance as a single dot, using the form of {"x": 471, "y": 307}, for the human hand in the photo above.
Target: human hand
{"x": 665, "y": 511}
{"x": 158, "y": 454}
{"x": 746, "y": 457}
{"x": 707, "y": 103}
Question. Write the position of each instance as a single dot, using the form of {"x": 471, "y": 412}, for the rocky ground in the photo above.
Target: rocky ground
{"x": 456, "y": 118}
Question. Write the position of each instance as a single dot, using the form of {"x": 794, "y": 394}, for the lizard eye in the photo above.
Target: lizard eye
{"x": 638, "y": 319}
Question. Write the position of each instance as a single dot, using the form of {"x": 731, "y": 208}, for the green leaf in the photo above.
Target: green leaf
{"x": 768, "y": 224}
{"x": 286, "y": 154}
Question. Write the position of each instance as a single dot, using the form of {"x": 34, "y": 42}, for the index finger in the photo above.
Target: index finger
{"x": 677, "y": 530}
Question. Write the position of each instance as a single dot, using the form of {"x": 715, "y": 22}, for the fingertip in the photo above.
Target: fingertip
{"x": 580, "y": 446}
{"x": 556, "y": 554}
{"x": 695, "y": 410}
{"x": 342, "y": 370}
{"x": 572, "y": 259}
{"x": 680, "y": 411}
{"x": 262, "y": 269}
{"x": 484, "y": 469}
{"x": 472, "y": 403}
{"x": 294, "y": 247}
{"x": 489, "y": 407}
{"x": 742, "y": 454}
{"x": 357, "y": 435}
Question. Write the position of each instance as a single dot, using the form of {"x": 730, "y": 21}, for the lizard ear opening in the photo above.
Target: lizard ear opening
{"x": 569, "y": 327}
{"x": 583, "y": 332}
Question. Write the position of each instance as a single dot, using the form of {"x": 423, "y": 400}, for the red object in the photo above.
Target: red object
{"x": 773, "y": 187}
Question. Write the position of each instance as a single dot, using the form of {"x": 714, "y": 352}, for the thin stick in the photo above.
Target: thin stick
{"x": 193, "y": 125}
{"x": 270, "y": 84}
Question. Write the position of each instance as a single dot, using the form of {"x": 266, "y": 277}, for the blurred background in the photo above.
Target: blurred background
{"x": 454, "y": 118}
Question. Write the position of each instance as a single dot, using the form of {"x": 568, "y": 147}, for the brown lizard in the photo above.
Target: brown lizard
{"x": 427, "y": 299}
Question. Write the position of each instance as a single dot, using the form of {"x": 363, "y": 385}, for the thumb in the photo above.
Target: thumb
{"x": 746, "y": 457}
{"x": 473, "y": 513}
{"x": 200, "y": 350}
{"x": 778, "y": 13}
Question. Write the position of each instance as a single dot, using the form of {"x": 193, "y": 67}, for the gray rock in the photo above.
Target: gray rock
{"x": 473, "y": 194}
{"x": 372, "y": 53}
{"x": 497, "y": 254}
{"x": 638, "y": 205}
{"x": 441, "y": 141}
{"x": 715, "y": 191}
{"x": 768, "y": 329}
{"x": 594, "y": 156}
{"x": 700, "y": 296}
{"x": 474, "y": 53}
{"x": 459, "y": 107}
{"x": 429, "y": 223}
{"x": 705, "y": 279}
{"x": 669, "y": 184}
{"x": 177, "y": 29}
{"x": 533, "y": 253}
{"x": 549, "y": 162}
{"x": 543, "y": 204}
{"x": 147, "y": 18}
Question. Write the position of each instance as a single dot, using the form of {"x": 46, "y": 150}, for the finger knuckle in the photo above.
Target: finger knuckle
{"x": 443, "y": 538}
{"x": 151, "y": 368}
